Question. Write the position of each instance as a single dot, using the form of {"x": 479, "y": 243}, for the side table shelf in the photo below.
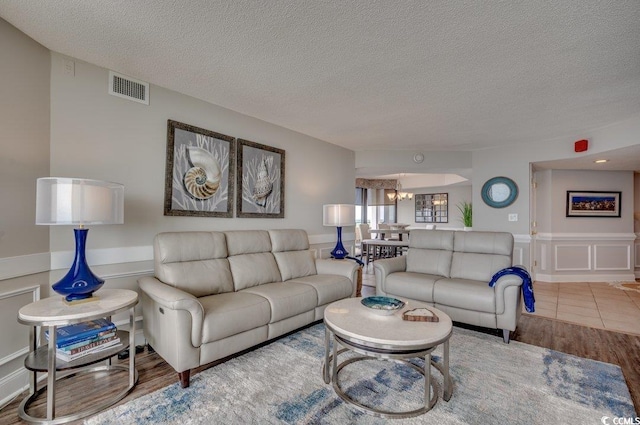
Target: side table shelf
{"x": 53, "y": 312}
{"x": 37, "y": 360}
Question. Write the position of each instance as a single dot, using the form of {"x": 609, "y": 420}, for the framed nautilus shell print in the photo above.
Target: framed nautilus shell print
{"x": 260, "y": 181}
{"x": 200, "y": 172}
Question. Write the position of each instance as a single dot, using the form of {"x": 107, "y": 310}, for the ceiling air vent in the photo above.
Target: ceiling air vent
{"x": 128, "y": 88}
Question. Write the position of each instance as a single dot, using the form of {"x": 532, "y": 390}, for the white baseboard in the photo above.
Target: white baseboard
{"x": 585, "y": 278}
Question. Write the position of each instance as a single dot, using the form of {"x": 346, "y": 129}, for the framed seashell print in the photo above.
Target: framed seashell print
{"x": 260, "y": 178}
{"x": 199, "y": 173}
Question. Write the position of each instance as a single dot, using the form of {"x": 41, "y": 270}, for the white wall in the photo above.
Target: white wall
{"x": 456, "y": 194}
{"x": 570, "y": 249}
{"x": 99, "y": 136}
{"x": 565, "y": 180}
{"x": 24, "y": 140}
{"x": 543, "y": 201}
{"x": 24, "y": 156}
{"x": 513, "y": 162}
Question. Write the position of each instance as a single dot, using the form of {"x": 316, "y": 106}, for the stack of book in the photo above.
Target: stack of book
{"x": 81, "y": 339}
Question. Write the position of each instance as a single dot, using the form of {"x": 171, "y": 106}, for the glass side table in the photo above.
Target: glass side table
{"x": 53, "y": 312}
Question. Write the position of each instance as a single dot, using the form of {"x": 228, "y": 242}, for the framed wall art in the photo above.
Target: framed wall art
{"x": 260, "y": 178}
{"x": 200, "y": 172}
{"x": 589, "y": 203}
{"x": 432, "y": 208}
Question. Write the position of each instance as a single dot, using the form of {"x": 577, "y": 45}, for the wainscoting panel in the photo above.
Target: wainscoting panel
{"x": 587, "y": 257}
{"x": 612, "y": 257}
{"x": 15, "y": 341}
{"x": 572, "y": 257}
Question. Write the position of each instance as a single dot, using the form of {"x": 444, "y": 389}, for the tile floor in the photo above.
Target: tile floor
{"x": 597, "y": 305}
{"x": 594, "y": 304}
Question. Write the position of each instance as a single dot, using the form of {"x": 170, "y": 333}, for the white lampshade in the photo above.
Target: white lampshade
{"x": 72, "y": 201}
{"x": 339, "y": 215}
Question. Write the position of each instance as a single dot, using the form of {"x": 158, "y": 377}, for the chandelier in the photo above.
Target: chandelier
{"x": 399, "y": 195}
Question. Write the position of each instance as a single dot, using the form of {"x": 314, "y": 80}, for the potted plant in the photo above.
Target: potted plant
{"x": 467, "y": 214}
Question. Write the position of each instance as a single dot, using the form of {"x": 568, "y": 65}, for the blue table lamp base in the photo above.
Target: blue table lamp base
{"x": 79, "y": 283}
{"x": 339, "y": 252}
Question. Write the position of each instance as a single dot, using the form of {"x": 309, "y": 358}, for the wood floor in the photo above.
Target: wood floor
{"x": 598, "y": 344}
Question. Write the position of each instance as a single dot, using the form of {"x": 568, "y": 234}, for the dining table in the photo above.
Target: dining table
{"x": 373, "y": 249}
{"x": 383, "y": 232}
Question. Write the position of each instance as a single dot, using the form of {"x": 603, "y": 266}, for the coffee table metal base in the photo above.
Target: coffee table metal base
{"x": 430, "y": 391}
{"x": 331, "y": 374}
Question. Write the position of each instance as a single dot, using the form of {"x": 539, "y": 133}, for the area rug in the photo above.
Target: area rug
{"x": 626, "y": 286}
{"x": 494, "y": 383}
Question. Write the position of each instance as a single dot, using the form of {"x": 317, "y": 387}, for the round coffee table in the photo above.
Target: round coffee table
{"x": 359, "y": 329}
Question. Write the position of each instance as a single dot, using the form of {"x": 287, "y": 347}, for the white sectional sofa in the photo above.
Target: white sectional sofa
{"x": 217, "y": 293}
{"x": 451, "y": 270}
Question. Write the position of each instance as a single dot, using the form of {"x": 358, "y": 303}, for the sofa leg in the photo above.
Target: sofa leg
{"x": 506, "y": 335}
{"x": 184, "y": 378}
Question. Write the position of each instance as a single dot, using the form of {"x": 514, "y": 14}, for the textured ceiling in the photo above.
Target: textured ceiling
{"x": 370, "y": 74}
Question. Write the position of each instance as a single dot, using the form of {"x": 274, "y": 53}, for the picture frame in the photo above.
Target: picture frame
{"x": 260, "y": 180}
{"x": 432, "y": 207}
{"x": 589, "y": 203}
{"x": 199, "y": 173}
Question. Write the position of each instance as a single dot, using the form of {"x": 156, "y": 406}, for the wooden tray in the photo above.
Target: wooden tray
{"x": 420, "y": 315}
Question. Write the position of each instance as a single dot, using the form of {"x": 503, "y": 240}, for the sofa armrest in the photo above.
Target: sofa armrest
{"x": 503, "y": 303}
{"x": 383, "y": 268}
{"x": 346, "y": 268}
{"x": 175, "y": 299}
{"x": 387, "y": 266}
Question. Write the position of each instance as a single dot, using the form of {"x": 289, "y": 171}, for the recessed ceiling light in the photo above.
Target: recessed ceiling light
{"x": 601, "y": 161}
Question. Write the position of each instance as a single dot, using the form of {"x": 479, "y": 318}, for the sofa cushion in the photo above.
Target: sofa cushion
{"x": 466, "y": 294}
{"x": 416, "y": 286}
{"x": 248, "y": 241}
{"x": 479, "y": 255}
{"x": 329, "y": 287}
{"x": 477, "y": 266}
{"x": 294, "y": 264}
{"x": 429, "y": 261}
{"x": 233, "y": 313}
{"x": 253, "y": 269}
{"x": 194, "y": 262}
{"x": 499, "y": 243}
{"x": 431, "y": 239}
{"x": 287, "y": 299}
{"x": 291, "y": 251}
{"x": 288, "y": 240}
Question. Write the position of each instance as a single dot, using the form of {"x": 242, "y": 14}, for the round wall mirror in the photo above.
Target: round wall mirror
{"x": 499, "y": 192}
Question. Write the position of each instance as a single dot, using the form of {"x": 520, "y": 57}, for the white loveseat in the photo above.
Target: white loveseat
{"x": 451, "y": 270}
{"x": 217, "y": 293}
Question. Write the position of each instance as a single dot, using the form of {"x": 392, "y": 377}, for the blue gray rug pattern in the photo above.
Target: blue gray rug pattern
{"x": 494, "y": 383}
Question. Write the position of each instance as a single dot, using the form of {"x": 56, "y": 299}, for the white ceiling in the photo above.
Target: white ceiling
{"x": 370, "y": 74}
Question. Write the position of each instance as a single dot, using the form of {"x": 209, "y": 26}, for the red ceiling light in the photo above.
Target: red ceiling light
{"x": 581, "y": 145}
